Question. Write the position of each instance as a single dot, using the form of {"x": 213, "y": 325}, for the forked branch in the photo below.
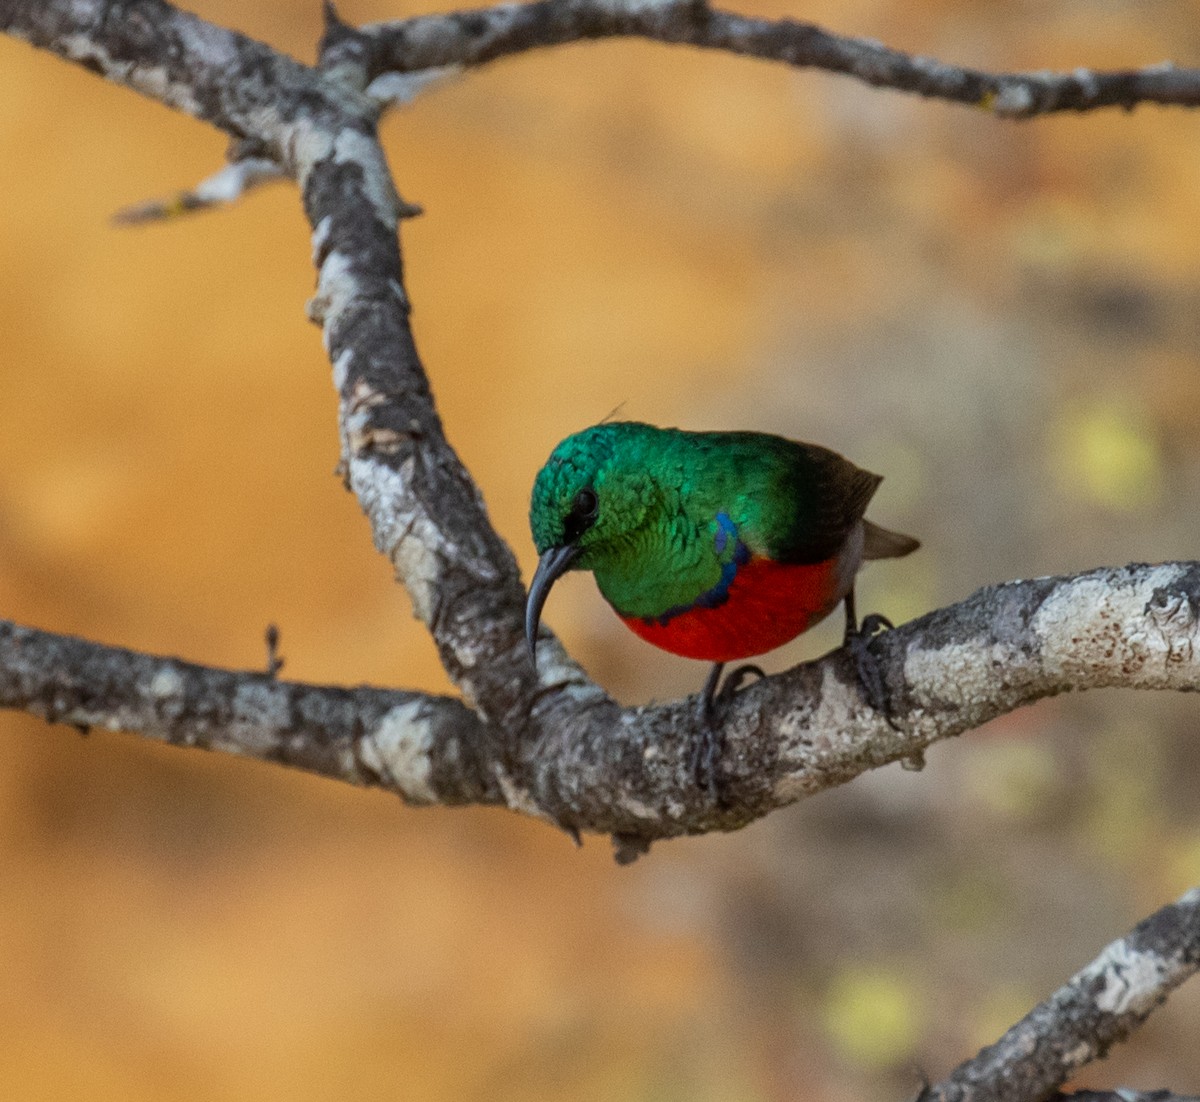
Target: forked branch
{"x": 551, "y": 743}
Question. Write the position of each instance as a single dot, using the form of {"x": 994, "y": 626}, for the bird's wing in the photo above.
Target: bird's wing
{"x": 828, "y": 496}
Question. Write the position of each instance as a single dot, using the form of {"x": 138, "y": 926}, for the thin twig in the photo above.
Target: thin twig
{"x": 220, "y": 189}
{"x": 477, "y": 36}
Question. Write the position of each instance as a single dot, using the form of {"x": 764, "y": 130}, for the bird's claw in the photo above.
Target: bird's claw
{"x": 734, "y": 682}
{"x": 866, "y": 665}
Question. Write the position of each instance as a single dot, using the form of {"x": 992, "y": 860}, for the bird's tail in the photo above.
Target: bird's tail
{"x": 881, "y": 543}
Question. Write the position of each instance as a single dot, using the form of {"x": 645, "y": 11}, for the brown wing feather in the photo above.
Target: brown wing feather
{"x": 830, "y": 495}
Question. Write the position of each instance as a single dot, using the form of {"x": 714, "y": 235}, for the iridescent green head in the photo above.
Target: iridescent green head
{"x": 593, "y": 494}
{"x": 594, "y": 489}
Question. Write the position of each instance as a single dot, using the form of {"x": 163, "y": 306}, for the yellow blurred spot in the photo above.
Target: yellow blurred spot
{"x": 1119, "y": 827}
{"x": 873, "y": 1015}
{"x": 1126, "y": 779}
{"x": 1053, "y": 232}
{"x": 1016, "y": 779}
{"x": 1105, "y": 453}
{"x": 971, "y": 902}
{"x": 1181, "y": 863}
{"x": 987, "y": 101}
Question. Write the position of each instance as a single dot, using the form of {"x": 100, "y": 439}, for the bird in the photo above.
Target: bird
{"x": 717, "y": 546}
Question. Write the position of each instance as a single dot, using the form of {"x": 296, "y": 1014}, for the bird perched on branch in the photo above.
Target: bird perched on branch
{"x": 711, "y": 545}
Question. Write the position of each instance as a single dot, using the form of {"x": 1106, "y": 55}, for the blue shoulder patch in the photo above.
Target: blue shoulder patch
{"x": 739, "y": 555}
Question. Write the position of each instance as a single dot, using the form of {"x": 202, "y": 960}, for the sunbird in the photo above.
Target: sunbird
{"x": 711, "y": 545}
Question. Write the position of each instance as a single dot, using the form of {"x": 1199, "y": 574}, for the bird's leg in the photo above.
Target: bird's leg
{"x": 707, "y": 745}
{"x": 708, "y": 695}
{"x": 857, "y": 641}
{"x": 712, "y": 700}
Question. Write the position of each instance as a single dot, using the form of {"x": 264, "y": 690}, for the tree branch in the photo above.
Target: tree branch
{"x": 1081, "y": 1021}
{"x": 1122, "y": 1094}
{"x": 425, "y": 511}
{"x": 477, "y": 36}
{"x": 409, "y": 743}
{"x": 220, "y": 189}
{"x": 244, "y": 87}
{"x": 569, "y": 753}
{"x": 627, "y": 772}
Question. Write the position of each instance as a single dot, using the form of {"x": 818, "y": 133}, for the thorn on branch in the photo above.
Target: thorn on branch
{"x": 344, "y": 52}
{"x": 274, "y": 659}
{"x": 333, "y": 21}
{"x": 914, "y": 762}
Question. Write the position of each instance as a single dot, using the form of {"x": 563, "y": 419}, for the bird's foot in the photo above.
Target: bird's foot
{"x": 866, "y": 665}
{"x": 707, "y": 747}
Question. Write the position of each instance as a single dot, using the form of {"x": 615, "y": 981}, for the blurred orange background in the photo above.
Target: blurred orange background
{"x": 1001, "y": 318}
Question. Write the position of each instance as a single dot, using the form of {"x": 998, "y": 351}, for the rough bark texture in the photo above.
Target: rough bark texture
{"x": 550, "y": 743}
{"x": 408, "y": 743}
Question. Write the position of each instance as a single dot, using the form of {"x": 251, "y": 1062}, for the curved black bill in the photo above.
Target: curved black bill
{"x": 551, "y": 566}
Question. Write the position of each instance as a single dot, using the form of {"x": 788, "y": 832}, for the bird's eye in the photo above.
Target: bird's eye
{"x": 586, "y": 504}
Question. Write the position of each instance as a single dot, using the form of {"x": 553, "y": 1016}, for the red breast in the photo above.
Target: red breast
{"x": 768, "y": 604}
